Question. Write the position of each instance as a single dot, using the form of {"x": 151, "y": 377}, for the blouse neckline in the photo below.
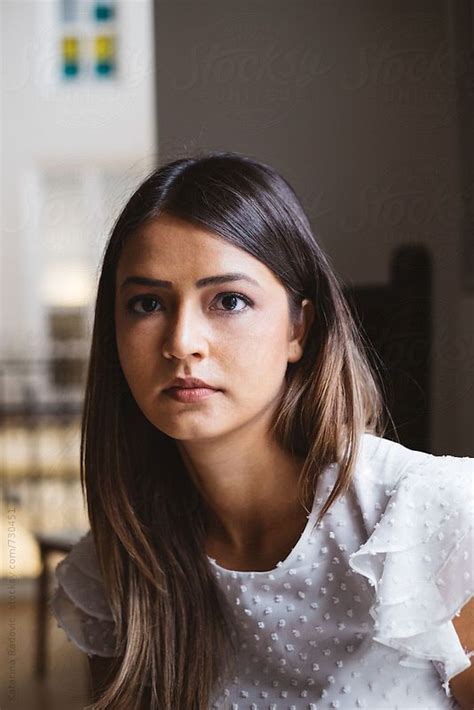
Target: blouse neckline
{"x": 282, "y": 564}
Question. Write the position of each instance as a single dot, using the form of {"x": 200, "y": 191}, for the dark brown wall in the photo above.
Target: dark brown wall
{"x": 356, "y": 103}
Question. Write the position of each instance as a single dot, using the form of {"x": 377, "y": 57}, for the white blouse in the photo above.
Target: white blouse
{"x": 358, "y": 615}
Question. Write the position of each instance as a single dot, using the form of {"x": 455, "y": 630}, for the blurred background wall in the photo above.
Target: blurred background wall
{"x": 366, "y": 107}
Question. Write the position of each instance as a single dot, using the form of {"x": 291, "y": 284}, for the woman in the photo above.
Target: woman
{"x": 255, "y": 541}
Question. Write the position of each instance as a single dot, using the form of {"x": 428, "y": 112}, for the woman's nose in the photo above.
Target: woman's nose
{"x": 184, "y": 335}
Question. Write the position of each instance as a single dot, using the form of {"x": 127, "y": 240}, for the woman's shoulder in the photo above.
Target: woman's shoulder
{"x": 79, "y": 602}
{"x": 426, "y": 491}
{"x": 419, "y": 551}
{"x": 387, "y": 472}
{"x": 389, "y": 463}
{"x": 390, "y": 457}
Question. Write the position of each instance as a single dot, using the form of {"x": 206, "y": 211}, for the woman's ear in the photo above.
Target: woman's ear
{"x": 300, "y": 330}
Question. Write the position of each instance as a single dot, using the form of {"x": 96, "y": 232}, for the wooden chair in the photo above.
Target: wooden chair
{"x": 396, "y": 318}
{"x": 48, "y": 544}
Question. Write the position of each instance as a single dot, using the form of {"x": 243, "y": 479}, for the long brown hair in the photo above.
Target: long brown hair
{"x": 173, "y": 622}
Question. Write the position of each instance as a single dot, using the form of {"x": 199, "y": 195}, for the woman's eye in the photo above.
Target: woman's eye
{"x": 141, "y": 299}
{"x": 230, "y": 297}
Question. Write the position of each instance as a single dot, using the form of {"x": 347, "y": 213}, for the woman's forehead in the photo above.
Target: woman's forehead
{"x": 178, "y": 246}
{"x": 170, "y": 235}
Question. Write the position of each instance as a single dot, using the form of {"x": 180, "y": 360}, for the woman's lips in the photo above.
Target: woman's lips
{"x": 190, "y": 394}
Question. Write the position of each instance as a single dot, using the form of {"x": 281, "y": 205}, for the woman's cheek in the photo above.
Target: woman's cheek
{"x": 133, "y": 361}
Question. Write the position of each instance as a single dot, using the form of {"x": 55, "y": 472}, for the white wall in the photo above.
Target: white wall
{"x": 85, "y": 127}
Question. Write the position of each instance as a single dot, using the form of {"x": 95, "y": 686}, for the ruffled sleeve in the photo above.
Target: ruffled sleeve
{"x": 419, "y": 559}
{"x": 79, "y": 603}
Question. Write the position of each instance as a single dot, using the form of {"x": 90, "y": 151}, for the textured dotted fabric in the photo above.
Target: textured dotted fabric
{"x": 358, "y": 615}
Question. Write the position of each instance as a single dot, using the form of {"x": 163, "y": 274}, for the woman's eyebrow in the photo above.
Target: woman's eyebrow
{"x": 200, "y": 283}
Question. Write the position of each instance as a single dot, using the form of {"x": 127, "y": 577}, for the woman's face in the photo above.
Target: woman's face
{"x": 234, "y": 335}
